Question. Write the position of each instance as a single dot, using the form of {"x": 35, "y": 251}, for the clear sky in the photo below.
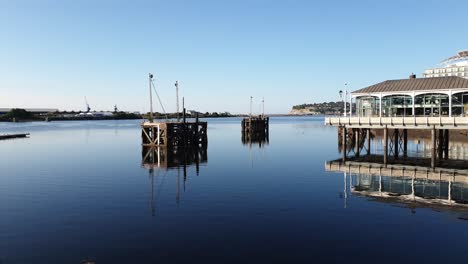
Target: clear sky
{"x": 54, "y": 53}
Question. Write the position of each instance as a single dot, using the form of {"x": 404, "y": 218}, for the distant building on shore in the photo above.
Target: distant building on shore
{"x": 454, "y": 66}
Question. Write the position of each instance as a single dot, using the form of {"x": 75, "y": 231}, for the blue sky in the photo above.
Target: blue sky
{"x": 54, "y": 53}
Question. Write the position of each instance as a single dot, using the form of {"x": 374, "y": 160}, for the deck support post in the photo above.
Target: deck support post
{"x": 396, "y": 142}
{"x": 446, "y": 144}
{"x": 440, "y": 145}
{"x": 385, "y": 146}
{"x": 344, "y": 135}
{"x": 405, "y": 143}
{"x": 357, "y": 136}
{"x": 433, "y": 147}
{"x": 368, "y": 136}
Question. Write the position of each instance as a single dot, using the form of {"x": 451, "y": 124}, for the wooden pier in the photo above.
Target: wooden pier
{"x": 12, "y": 136}
{"x": 355, "y": 134}
{"x": 258, "y": 124}
{"x": 174, "y": 134}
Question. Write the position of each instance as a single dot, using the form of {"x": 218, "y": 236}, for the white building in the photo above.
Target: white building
{"x": 454, "y": 66}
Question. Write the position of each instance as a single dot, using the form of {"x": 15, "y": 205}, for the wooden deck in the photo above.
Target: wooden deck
{"x": 12, "y": 136}
{"x": 174, "y": 134}
{"x": 399, "y": 122}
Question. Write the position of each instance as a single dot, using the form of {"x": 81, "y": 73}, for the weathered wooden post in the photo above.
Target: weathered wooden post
{"x": 396, "y": 142}
{"x": 357, "y": 135}
{"x": 446, "y": 144}
{"x": 433, "y": 147}
{"x": 344, "y": 135}
{"x": 385, "y": 146}
{"x": 405, "y": 142}
{"x": 368, "y": 136}
{"x": 440, "y": 145}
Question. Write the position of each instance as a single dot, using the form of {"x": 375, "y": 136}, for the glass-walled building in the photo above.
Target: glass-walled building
{"x": 437, "y": 96}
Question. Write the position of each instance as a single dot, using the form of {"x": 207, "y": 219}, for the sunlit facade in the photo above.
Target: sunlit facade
{"x": 437, "y": 96}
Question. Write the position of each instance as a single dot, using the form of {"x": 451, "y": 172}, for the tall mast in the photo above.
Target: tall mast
{"x": 263, "y": 106}
{"x": 150, "y": 79}
{"x": 250, "y": 114}
{"x": 177, "y": 98}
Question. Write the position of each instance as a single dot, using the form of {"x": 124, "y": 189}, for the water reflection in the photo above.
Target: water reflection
{"x": 416, "y": 186}
{"x": 170, "y": 158}
{"x": 163, "y": 159}
{"x": 260, "y": 139}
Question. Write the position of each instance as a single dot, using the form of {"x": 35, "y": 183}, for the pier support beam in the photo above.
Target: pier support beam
{"x": 396, "y": 142}
{"x": 368, "y": 136}
{"x": 433, "y": 147}
{"x": 385, "y": 146}
{"x": 446, "y": 144}
{"x": 344, "y": 136}
{"x": 357, "y": 136}
{"x": 405, "y": 143}
{"x": 440, "y": 145}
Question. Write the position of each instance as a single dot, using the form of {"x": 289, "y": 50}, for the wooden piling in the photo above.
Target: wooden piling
{"x": 446, "y": 144}
{"x": 396, "y": 143}
{"x": 385, "y": 161}
{"x": 440, "y": 145}
{"x": 433, "y": 147}
{"x": 344, "y": 135}
{"x": 405, "y": 142}
{"x": 357, "y": 136}
{"x": 368, "y": 136}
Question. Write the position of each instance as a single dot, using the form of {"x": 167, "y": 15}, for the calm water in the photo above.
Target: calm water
{"x": 78, "y": 190}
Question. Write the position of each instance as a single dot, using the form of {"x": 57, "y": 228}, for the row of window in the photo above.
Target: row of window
{"x": 446, "y": 70}
{"x": 460, "y": 74}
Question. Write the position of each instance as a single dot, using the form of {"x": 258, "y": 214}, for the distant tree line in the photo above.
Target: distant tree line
{"x": 322, "y": 108}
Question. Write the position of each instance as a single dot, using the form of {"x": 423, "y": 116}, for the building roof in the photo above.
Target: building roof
{"x": 417, "y": 84}
{"x": 460, "y": 59}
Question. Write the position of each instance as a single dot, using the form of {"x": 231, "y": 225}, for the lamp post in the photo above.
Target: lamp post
{"x": 345, "y": 98}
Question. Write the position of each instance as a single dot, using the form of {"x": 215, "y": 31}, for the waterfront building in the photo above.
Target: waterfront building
{"x": 436, "y": 96}
{"x": 454, "y": 66}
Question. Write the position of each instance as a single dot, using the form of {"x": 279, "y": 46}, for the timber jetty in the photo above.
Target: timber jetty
{"x": 255, "y": 128}
{"x": 12, "y": 136}
{"x": 172, "y": 134}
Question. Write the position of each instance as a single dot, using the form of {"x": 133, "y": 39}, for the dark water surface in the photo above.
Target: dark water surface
{"x": 78, "y": 190}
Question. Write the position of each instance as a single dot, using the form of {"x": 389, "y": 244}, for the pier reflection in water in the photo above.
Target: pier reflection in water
{"x": 413, "y": 185}
{"x": 404, "y": 145}
{"x": 260, "y": 139}
{"x": 163, "y": 159}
